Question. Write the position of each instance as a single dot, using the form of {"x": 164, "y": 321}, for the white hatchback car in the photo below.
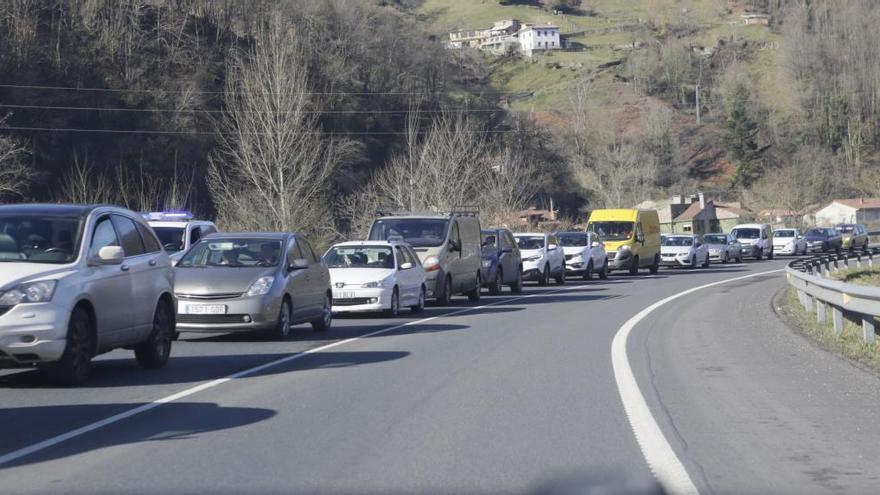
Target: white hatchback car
{"x": 542, "y": 257}
{"x": 375, "y": 276}
{"x": 584, "y": 254}
{"x": 684, "y": 250}
{"x": 789, "y": 242}
{"x": 77, "y": 281}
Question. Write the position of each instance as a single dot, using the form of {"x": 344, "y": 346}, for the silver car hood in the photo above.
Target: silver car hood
{"x": 217, "y": 280}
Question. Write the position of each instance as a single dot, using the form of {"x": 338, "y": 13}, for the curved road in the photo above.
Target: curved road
{"x": 496, "y": 397}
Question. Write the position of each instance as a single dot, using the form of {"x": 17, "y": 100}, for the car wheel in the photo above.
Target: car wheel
{"x": 445, "y": 297}
{"x": 545, "y": 277}
{"x": 496, "y": 288}
{"x": 517, "y": 286}
{"x": 726, "y": 258}
{"x": 75, "y": 364}
{"x": 706, "y": 261}
{"x": 560, "y": 278}
{"x": 770, "y": 255}
{"x": 282, "y": 325}
{"x": 655, "y": 268}
{"x": 323, "y": 323}
{"x": 394, "y": 310}
{"x": 474, "y": 295}
{"x": 739, "y": 258}
{"x": 634, "y": 265}
{"x": 588, "y": 275}
{"x": 760, "y": 255}
{"x": 155, "y": 351}
{"x": 418, "y": 308}
{"x": 603, "y": 274}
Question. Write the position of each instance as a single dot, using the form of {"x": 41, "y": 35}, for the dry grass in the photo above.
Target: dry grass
{"x": 869, "y": 277}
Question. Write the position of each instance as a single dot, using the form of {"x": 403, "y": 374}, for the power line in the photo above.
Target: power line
{"x": 202, "y": 92}
{"x": 209, "y": 133}
{"x": 200, "y": 110}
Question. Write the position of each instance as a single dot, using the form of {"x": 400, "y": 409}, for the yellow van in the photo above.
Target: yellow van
{"x": 631, "y": 237}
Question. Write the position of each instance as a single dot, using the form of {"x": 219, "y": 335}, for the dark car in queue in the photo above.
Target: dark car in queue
{"x": 823, "y": 240}
{"x": 234, "y": 282}
{"x": 501, "y": 261}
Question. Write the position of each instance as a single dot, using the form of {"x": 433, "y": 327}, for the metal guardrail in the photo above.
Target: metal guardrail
{"x": 810, "y": 276}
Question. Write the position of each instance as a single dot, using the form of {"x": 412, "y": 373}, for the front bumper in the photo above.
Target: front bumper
{"x": 675, "y": 261}
{"x": 786, "y": 249}
{"x": 31, "y": 333}
{"x": 575, "y": 266}
{"x": 818, "y": 247}
{"x": 619, "y": 260}
{"x": 750, "y": 251}
{"x": 243, "y": 314}
{"x": 362, "y": 300}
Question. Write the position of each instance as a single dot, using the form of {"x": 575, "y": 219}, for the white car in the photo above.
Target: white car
{"x": 375, "y": 276}
{"x": 789, "y": 242}
{"x": 756, "y": 239}
{"x": 584, "y": 254}
{"x": 177, "y": 231}
{"x": 684, "y": 250}
{"x": 542, "y": 257}
{"x": 78, "y": 281}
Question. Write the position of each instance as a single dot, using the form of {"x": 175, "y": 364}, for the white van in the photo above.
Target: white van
{"x": 756, "y": 239}
{"x": 447, "y": 245}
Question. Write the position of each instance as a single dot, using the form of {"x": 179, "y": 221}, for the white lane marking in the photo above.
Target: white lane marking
{"x": 25, "y": 451}
{"x": 658, "y": 453}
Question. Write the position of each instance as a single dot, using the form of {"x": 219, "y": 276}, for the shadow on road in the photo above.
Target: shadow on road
{"x": 176, "y": 421}
{"x": 192, "y": 369}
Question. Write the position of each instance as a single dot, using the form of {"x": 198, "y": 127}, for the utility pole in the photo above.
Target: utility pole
{"x": 697, "y": 91}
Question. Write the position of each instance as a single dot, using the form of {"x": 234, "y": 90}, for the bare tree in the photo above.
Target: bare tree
{"x": 273, "y": 165}
{"x": 620, "y": 176}
{"x": 510, "y": 184}
{"x": 15, "y": 173}
{"x": 82, "y": 184}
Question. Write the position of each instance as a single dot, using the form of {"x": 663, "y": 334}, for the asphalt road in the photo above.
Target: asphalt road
{"x": 496, "y": 397}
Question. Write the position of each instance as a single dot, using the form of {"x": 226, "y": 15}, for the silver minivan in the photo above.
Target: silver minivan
{"x": 448, "y": 247}
{"x": 77, "y": 281}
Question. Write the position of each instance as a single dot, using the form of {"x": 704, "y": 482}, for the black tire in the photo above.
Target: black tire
{"x": 655, "y": 268}
{"x": 560, "y": 277}
{"x": 394, "y": 310}
{"x": 324, "y": 323}
{"x": 155, "y": 351}
{"x": 633, "y": 268}
{"x": 760, "y": 255}
{"x": 770, "y": 255}
{"x": 726, "y": 258}
{"x": 588, "y": 275}
{"x": 706, "y": 263}
{"x": 603, "y": 274}
{"x": 739, "y": 258}
{"x": 445, "y": 297}
{"x": 418, "y": 308}
{"x": 282, "y": 324}
{"x": 544, "y": 281}
{"x": 496, "y": 288}
{"x": 75, "y": 364}
{"x": 517, "y": 286}
{"x": 475, "y": 294}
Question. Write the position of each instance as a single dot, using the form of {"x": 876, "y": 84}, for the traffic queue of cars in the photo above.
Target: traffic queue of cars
{"x": 78, "y": 281}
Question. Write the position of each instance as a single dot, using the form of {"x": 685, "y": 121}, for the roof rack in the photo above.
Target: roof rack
{"x": 459, "y": 211}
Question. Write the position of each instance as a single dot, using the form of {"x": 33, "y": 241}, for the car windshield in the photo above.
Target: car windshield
{"x": 172, "y": 238}
{"x": 233, "y": 253}
{"x": 846, "y": 229}
{"x": 678, "y": 241}
{"x": 359, "y": 257}
{"x": 715, "y": 239}
{"x": 612, "y": 231}
{"x": 816, "y": 233}
{"x": 783, "y": 233}
{"x": 530, "y": 242}
{"x": 39, "y": 238}
{"x": 745, "y": 233}
{"x": 418, "y": 232}
{"x": 573, "y": 240}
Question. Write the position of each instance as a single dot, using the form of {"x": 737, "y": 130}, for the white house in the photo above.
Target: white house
{"x": 534, "y": 38}
{"x": 859, "y": 210}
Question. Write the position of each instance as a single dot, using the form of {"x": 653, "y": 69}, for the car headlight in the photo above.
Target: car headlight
{"x": 682, "y": 255}
{"x": 431, "y": 263}
{"x": 487, "y": 263}
{"x": 262, "y": 286}
{"x": 625, "y": 247}
{"x": 32, "y": 292}
{"x": 533, "y": 258}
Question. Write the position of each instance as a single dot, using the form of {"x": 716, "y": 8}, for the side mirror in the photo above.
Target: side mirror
{"x": 506, "y": 250}
{"x": 800, "y": 236}
{"x": 109, "y": 255}
{"x": 298, "y": 264}
{"x": 595, "y": 244}
{"x": 551, "y": 247}
{"x": 453, "y": 246}
{"x": 406, "y": 266}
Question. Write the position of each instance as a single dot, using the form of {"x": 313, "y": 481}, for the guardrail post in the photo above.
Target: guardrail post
{"x": 837, "y": 320}
{"x": 821, "y": 308}
{"x": 868, "y": 324}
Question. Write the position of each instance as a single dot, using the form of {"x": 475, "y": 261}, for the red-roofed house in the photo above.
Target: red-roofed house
{"x": 859, "y": 210}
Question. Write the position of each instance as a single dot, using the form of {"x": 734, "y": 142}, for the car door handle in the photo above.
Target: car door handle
{"x": 124, "y": 268}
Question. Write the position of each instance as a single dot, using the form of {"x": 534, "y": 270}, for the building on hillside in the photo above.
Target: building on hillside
{"x": 535, "y": 38}
{"x": 730, "y": 214}
{"x": 752, "y": 18}
{"x": 859, "y": 210}
{"x": 780, "y": 217}
{"x": 467, "y": 39}
{"x": 695, "y": 214}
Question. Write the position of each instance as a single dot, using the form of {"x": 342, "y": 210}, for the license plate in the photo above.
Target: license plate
{"x": 343, "y": 295}
{"x": 202, "y": 309}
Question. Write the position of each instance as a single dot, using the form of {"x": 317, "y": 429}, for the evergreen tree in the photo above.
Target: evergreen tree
{"x": 740, "y": 136}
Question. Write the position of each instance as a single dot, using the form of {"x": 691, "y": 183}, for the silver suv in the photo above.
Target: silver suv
{"x": 77, "y": 281}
